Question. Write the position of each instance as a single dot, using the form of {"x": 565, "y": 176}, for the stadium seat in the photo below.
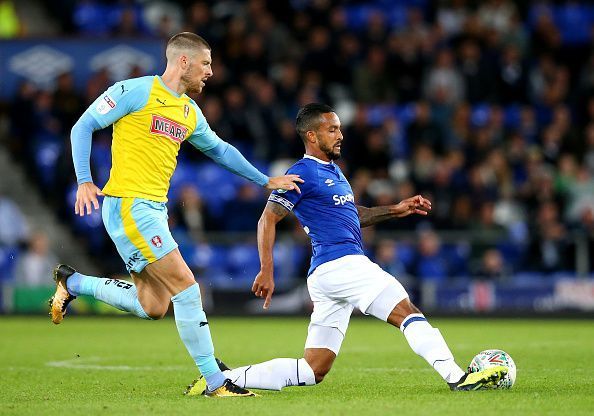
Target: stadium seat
{"x": 8, "y": 259}
{"x": 46, "y": 159}
{"x": 243, "y": 264}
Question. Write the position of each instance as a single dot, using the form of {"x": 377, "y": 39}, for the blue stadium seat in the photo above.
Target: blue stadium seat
{"x": 457, "y": 256}
{"x": 406, "y": 254}
{"x": 243, "y": 264}
{"x": 89, "y": 225}
{"x": 216, "y": 184}
{"x": 46, "y": 159}
{"x": 512, "y": 116}
{"x": 8, "y": 259}
{"x": 184, "y": 174}
{"x": 101, "y": 163}
{"x": 574, "y": 22}
{"x": 528, "y": 278}
{"x": 480, "y": 114}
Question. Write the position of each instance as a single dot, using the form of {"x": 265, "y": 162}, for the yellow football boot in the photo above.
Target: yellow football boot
{"x": 61, "y": 298}
{"x": 487, "y": 378}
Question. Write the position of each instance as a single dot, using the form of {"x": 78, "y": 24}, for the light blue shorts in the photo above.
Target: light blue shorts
{"x": 139, "y": 229}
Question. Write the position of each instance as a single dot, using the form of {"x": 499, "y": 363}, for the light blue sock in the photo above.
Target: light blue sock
{"x": 117, "y": 293}
{"x": 194, "y": 332}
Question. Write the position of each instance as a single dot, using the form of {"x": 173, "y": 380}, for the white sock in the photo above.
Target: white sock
{"x": 428, "y": 342}
{"x": 273, "y": 375}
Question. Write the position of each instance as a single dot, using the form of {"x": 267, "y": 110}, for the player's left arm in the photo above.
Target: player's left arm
{"x": 227, "y": 156}
{"x": 413, "y": 205}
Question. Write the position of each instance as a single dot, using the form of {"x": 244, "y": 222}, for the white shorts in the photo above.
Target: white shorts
{"x": 340, "y": 285}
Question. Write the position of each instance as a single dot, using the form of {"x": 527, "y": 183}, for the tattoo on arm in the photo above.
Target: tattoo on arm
{"x": 277, "y": 209}
{"x": 370, "y": 216}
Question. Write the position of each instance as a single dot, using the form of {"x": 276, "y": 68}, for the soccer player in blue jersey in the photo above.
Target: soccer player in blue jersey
{"x": 151, "y": 117}
{"x": 341, "y": 277}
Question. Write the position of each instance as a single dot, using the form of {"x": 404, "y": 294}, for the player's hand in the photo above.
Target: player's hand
{"x": 263, "y": 287}
{"x": 413, "y": 205}
{"x": 287, "y": 182}
{"x": 86, "y": 197}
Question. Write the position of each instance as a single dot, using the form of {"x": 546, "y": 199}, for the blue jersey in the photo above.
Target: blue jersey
{"x": 325, "y": 208}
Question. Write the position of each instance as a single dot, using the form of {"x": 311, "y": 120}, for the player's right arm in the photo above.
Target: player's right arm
{"x": 280, "y": 203}
{"x": 120, "y": 99}
{"x": 263, "y": 286}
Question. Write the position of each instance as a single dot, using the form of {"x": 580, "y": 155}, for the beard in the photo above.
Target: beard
{"x": 192, "y": 87}
{"x": 331, "y": 152}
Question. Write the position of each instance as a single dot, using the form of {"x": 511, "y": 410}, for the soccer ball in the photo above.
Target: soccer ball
{"x": 491, "y": 358}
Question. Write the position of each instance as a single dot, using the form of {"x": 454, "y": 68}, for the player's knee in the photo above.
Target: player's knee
{"x": 408, "y": 307}
{"x": 320, "y": 371}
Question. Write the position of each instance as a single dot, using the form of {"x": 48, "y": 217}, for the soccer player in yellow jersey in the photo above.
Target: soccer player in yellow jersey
{"x": 151, "y": 117}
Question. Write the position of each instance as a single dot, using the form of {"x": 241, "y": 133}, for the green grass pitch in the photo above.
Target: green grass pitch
{"x": 107, "y": 366}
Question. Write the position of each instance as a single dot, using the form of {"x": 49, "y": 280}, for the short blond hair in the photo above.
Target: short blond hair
{"x": 184, "y": 41}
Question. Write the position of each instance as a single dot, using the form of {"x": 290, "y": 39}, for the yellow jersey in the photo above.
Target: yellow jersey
{"x": 150, "y": 121}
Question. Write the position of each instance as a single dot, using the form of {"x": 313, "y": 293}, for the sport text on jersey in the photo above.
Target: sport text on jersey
{"x": 169, "y": 128}
{"x": 343, "y": 199}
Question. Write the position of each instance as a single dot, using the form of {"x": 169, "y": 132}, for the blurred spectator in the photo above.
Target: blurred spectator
{"x": 14, "y": 229}
{"x": 372, "y": 82}
{"x": 485, "y": 107}
{"x": 497, "y": 14}
{"x": 493, "y": 266}
{"x": 430, "y": 264}
{"x": 444, "y": 84}
{"x": 386, "y": 256}
{"x": 423, "y": 130}
{"x": 512, "y": 77}
{"x": 548, "y": 251}
{"x": 451, "y": 16}
{"x": 190, "y": 213}
{"x": 478, "y": 78}
{"x": 20, "y": 116}
{"x": 67, "y": 102}
{"x": 35, "y": 266}
{"x": 405, "y": 63}
{"x": 580, "y": 194}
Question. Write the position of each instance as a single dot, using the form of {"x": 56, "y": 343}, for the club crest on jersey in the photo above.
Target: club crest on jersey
{"x": 157, "y": 242}
{"x": 169, "y": 128}
{"x": 186, "y": 110}
{"x": 106, "y": 104}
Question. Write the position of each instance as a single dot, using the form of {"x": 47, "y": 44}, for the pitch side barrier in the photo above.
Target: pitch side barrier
{"x": 225, "y": 265}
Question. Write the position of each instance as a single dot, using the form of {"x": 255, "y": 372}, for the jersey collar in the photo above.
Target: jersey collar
{"x": 316, "y": 159}
{"x": 175, "y": 94}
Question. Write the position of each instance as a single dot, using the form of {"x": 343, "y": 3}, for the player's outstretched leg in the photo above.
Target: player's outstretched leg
{"x": 195, "y": 333}
{"x": 270, "y": 375}
{"x": 428, "y": 342}
{"x": 69, "y": 284}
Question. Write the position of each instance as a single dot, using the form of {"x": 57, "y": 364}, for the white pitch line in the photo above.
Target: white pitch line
{"x": 83, "y": 364}
{"x": 393, "y": 370}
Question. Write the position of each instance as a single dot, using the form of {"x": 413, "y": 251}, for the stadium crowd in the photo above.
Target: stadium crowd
{"x": 486, "y": 108}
